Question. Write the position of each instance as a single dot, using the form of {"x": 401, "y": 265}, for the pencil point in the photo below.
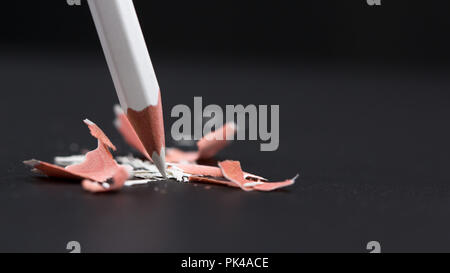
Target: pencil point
{"x": 160, "y": 161}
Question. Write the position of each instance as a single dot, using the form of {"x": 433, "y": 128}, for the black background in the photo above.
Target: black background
{"x": 324, "y": 30}
{"x": 364, "y": 107}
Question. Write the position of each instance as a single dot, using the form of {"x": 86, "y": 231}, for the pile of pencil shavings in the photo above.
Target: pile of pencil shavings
{"x": 99, "y": 171}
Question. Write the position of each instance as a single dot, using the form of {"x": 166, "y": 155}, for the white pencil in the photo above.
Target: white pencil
{"x": 132, "y": 72}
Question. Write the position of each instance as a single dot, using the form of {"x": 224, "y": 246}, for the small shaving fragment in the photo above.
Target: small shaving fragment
{"x": 215, "y": 141}
{"x": 118, "y": 180}
{"x": 203, "y": 170}
{"x": 233, "y": 172}
{"x": 131, "y": 183}
{"x": 208, "y": 146}
{"x": 69, "y": 160}
{"x": 203, "y": 179}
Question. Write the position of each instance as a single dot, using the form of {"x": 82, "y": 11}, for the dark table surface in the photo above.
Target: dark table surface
{"x": 370, "y": 142}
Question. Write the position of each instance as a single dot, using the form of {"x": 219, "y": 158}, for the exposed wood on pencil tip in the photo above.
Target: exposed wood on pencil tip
{"x": 145, "y": 130}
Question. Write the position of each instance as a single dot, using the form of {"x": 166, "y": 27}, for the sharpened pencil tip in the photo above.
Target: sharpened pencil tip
{"x": 160, "y": 161}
